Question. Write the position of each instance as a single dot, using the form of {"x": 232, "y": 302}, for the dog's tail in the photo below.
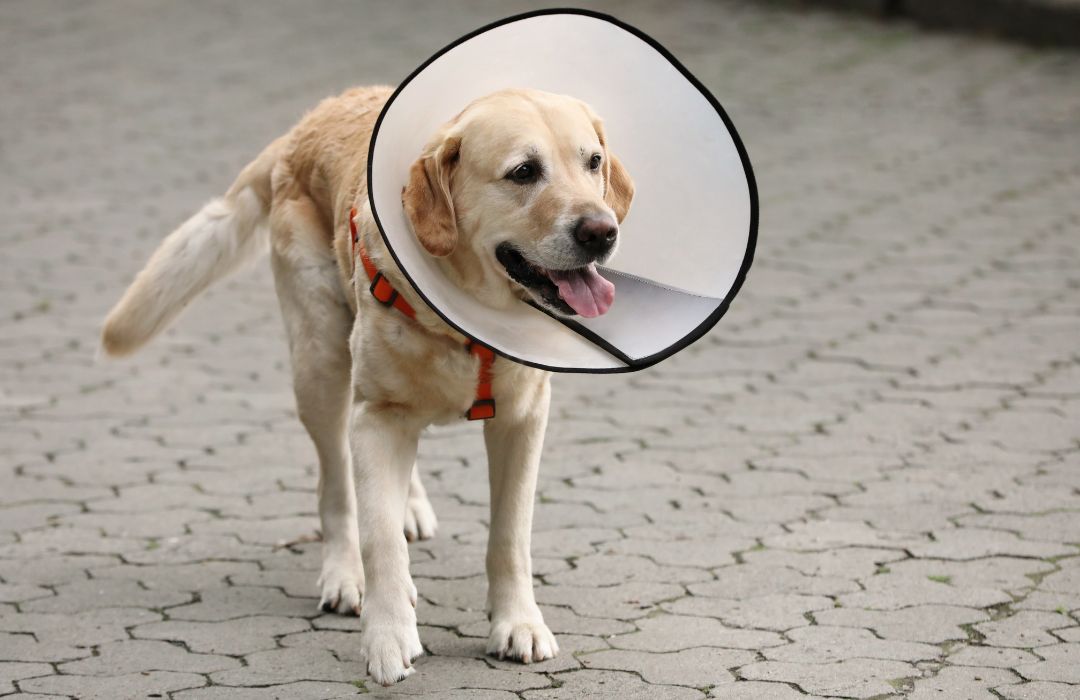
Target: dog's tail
{"x": 224, "y": 234}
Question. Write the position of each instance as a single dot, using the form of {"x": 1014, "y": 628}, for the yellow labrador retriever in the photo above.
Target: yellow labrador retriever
{"x": 518, "y": 197}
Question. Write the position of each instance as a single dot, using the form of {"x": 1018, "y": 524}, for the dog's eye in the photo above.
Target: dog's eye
{"x": 595, "y": 161}
{"x": 525, "y": 173}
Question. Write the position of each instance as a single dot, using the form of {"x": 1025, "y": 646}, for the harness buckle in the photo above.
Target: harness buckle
{"x": 382, "y": 290}
{"x": 482, "y": 409}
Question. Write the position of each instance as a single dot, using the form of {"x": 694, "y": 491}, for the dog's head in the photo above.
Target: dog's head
{"x": 521, "y": 198}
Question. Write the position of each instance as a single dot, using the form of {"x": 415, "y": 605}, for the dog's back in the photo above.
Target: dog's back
{"x": 323, "y": 158}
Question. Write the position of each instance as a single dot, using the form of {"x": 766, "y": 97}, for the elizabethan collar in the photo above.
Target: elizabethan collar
{"x": 687, "y": 243}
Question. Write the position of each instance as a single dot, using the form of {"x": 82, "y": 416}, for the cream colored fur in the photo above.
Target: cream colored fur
{"x": 367, "y": 379}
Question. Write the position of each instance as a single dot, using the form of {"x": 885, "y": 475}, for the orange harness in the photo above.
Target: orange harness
{"x": 483, "y": 406}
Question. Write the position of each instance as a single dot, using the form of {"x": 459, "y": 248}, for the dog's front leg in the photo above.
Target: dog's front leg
{"x": 384, "y": 442}
{"x": 515, "y": 440}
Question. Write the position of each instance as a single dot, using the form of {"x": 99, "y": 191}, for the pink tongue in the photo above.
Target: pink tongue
{"x": 584, "y": 290}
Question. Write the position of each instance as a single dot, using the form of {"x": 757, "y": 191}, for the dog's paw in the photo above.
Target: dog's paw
{"x": 420, "y": 522}
{"x": 342, "y": 584}
{"x": 525, "y": 640}
{"x": 390, "y": 650}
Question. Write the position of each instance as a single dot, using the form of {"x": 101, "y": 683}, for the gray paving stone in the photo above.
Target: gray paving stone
{"x": 51, "y": 570}
{"x": 11, "y": 671}
{"x": 243, "y": 601}
{"x": 303, "y": 690}
{"x": 1060, "y": 663}
{"x": 772, "y": 612}
{"x": 677, "y": 632}
{"x": 1038, "y": 690}
{"x": 1007, "y": 573}
{"x": 57, "y": 541}
{"x": 851, "y": 678}
{"x": 437, "y": 674}
{"x": 20, "y": 593}
{"x": 139, "y": 656}
{"x": 1065, "y": 581}
{"x": 749, "y": 581}
{"x": 624, "y": 601}
{"x": 965, "y": 544}
{"x": 612, "y": 569}
{"x": 963, "y": 682}
{"x": 200, "y": 576}
{"x": 889, "y": 592}
{"x": 131, "y": 686}
{"x": 704, "y": 553}
{"x": 280, "y": 666}
{"x": 819, "y": 535}
{"x": 885, "y": 420}
{"x": 993, "y": 657}
{"x": 1048, "y": 527}
{"x": 932, "y": 624}
{"x": 846, "y": 562}
{"x": 104, "y": 593}
{"x": 596, "y": 684}
{"x": 755, "y": 690}
{"x": 697, "y": 668}
{"x": 821, "y": 644}
{"x": 87, "y": 628}
{"x": 1025, "y": 629}
{"x": 233, "y": 637}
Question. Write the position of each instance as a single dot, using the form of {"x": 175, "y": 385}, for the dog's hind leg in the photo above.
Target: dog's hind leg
{"x": 318, "y": 321}
{"x": 420, "y": 522}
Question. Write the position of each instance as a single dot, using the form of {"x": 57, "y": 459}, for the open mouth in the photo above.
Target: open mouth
{"x": 581, "y": 291}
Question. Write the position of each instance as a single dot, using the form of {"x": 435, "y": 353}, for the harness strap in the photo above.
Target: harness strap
{"x": 483, "y": 406}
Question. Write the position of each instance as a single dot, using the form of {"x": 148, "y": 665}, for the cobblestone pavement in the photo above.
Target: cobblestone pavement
{"x": 864, "y": 483}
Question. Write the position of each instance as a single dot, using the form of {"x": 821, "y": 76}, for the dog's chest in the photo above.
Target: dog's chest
{"x": 401, "y": 364}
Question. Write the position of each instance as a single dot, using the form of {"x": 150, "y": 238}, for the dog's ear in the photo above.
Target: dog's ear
{"x": 427, "y": 199}
{"x": 619, "y": 190}
{"x": 618, "y": 187}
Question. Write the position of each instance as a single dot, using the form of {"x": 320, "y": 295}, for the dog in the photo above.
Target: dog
{"x": 517, "y": 198}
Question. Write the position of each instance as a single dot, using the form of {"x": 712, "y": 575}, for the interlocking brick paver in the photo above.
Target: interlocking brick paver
{"x": 303, "y": 690}
{"x": 1061, "y": 662}
{"x": 750, "y": 581}
{"x": 891, "y": 592}
{"x": 82, "y": 595}
{"x": 755, "y": 690}
{"x": 693, "y": 667}
{"x": 1025, "y": 629}
{"x": 131, "y": 656}
{"x": 821, "y": 644}
{"x": 850, "y": 678}
{"x": 772, "y": 612}
{"x": 963, "y": 682}
{"x": 280, "y": 666}
{"x": 243, "y": 601}
{"x": 993, "y": 657}
{"x": 1037, "y": 690}
{"x": 932, "y": 624}
{"x": 85, "y": 628}
{"x": 676, "y": 632}
{"x": 129, "y": 685}
{"x": 865, "y": 481}
{"x": 595, "y": 683}
{"x": 625, "y": 601}
{"x": 16, "y": 671}
{"x": 233, "y": 637}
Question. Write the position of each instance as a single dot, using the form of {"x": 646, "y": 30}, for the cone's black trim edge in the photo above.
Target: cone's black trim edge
{"x": 632, "y": 365}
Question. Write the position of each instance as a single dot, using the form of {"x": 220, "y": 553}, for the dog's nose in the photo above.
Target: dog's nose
{"x": 596, "y": 234}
